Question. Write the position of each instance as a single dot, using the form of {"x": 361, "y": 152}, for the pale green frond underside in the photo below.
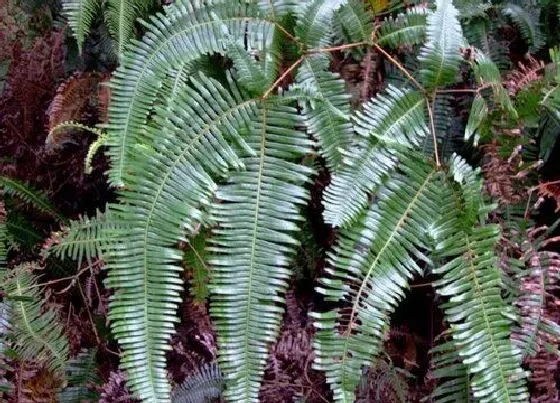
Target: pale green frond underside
{"x": 163, "y": 204}
{"x": 478, "y": 114}
{"x": 327, "y": 113}
{"x": 183, "y": 34}
{"x": 407, "y": 29}
{"x": 441, "y": 55}
{"x": 29, "y": 195}
{"x": 80, "y": 15}
{"x": 471, "y": 282}
{"x": 34, "y": 332}
{"x": 391, "y": 120}
{"x": 369, "y": 270}
{"x": 253, "y": 244}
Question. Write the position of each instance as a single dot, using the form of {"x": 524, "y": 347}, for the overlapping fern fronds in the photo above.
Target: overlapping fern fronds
{"x": 371, "y": 267}
{"x": 80, "y": 15}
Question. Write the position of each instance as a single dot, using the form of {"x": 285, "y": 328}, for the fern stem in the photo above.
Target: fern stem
{"x": 433, "y": 130}
{"x": 399, "y": 66}
{"x": 282, "y": 77}
{"x": 337, "y": 48}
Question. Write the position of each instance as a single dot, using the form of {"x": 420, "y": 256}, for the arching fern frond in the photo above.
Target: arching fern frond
{"x": 472, "y": 283}
{"x": 80, "y": 15}
{"x": 185, "y": 32}
{"x": 171, "y": 185}
{"x": 253, "y": 245}
{"x": 29, "y": 195}
{"x": 34, "y": 332}
{"x": 202, "y": 386}
{"x": 369, "y": 271}
{"x": 528, "y": 24}
{"x": 327, "y": 113}
{"x": 396, "y": 118}
{"x": 440, "y": 57}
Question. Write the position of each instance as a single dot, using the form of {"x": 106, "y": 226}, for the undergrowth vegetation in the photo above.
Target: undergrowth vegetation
{"x": 283, "y": 175}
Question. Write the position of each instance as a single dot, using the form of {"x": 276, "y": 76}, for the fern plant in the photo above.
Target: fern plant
{"x": 120, "y": 16}
{"x": 190, "y": 148}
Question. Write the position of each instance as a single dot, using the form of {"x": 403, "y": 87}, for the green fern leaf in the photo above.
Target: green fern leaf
{"x": 327, "y": 112}
{"x": 84, "y": 238}
{"x": 195, "y": 258}
{"x": 314, "y": 22}
{"x": 370, "y": 269}
{"x": 80, "y": 15}
{"x": 81, "y": 376}
{"x": 396, "y": 119}
{"x": 472, "y": 282}
{"x": 186, "y": 31}
{"x": 527, "y": 22}
{"x": 479, "y": 112}
{"x": 440, "y": 57}
{"x": 254, "y": 244}
{"x": 121, "y": 16}
{"x": 407, "y": 29}
{"x": 172, "y": 184}
{"x": 452, "y": 375}
{"x": 205, "y": 384}
{"x": 29, "y": 195}
{"x": 34, "y": 332}
{"x": 353, "y": 23}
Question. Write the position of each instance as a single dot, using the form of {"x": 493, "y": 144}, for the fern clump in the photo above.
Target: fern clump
{"x": 192, "y": 150}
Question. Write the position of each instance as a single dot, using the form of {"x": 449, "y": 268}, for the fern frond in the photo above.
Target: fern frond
{"x": 370, "y": 269}
{"x": 29, "y": 195}
{"x": 84, "y": 238}
{"x": 536, "y": 330}
{"x": 393, "y": 119}
{"x": 528, "y": 24}
{"x": 35, "y": 333}
{"x": 21, "y": 232}
{"x": 196, "y": 259}
{"x": 472, "y": 283}
{"x": 186, "y": 31}
{"x": 478, "y": 114}
{"x": 121, "y": 16}
{"x": 407, "y": 29}
{"x": 80, "y": 15}
{"x": 440, "y": 57}
{"x": 327, "y": 113}
{"x": 172, "y": 183}
{"x": 250, "y": 73}
{"x": 353, "y": 23}
{"x": 81, "y": 376}
{"x": 254, "y": 244}
{"x": 451, "y": 374}
{"x": 3, "y": 240}
{"x": 202, "y": 386}
{"x": 315, "y": 21}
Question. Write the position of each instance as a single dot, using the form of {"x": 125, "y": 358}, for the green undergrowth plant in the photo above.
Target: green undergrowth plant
{"x": 224, "y": 155}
